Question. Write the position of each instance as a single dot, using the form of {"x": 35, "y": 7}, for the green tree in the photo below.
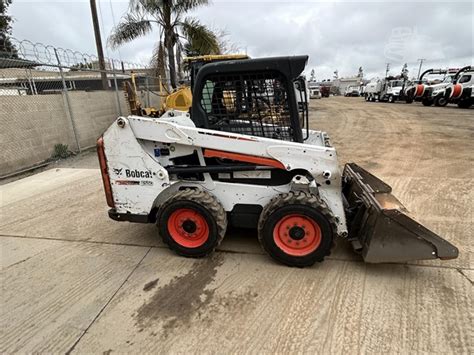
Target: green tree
{"x": 178, "y": 33}
{"x": 7, "y": 49}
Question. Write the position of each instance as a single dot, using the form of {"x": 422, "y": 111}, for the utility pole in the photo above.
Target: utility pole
{"x": 387, "y": 69}
{"x": 421, "y": 60}
{"x": 98, "y": 44}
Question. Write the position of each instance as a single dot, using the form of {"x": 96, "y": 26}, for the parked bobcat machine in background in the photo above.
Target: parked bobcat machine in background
{"x": 245, "y": 156}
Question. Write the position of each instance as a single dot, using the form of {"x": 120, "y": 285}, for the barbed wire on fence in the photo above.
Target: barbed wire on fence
{"x": 24, "y": 64}
{"x": 49, "y": 55}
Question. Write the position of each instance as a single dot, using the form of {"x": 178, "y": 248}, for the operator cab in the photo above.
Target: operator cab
{"x": 193, "y": 64}
{"x": 255, "y": 97}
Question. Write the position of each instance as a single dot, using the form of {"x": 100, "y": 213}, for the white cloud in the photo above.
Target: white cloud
{"x": 336, "y": 35}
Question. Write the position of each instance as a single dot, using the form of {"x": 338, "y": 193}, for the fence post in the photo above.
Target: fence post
{"x": 147, "y": 91}
{"x": 68, "y": 102}
{"x": 117, "y": 97}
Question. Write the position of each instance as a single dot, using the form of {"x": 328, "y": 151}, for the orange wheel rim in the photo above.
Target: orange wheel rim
{"x": 297, "y": 235}
{"x": 188, "y": 228}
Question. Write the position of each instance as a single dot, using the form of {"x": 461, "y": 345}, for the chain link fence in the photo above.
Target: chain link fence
{"x": 52, "y": 96}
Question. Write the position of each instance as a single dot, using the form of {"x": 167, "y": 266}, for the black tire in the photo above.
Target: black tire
{"x": 299, "y": 205}
{"x": 391, "y": 99}
{"x": 206, "y": 209}
{"x": 427, "y": 102}
{"x": 464, "y": 104}
{"x": 441, "y": 101}
{"x": 409, "y": 100}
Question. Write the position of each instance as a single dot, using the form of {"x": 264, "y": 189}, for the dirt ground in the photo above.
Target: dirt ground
{"x": 75, "y": 281}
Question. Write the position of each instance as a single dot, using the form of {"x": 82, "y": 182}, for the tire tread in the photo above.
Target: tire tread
{"x": 206, "y": 200}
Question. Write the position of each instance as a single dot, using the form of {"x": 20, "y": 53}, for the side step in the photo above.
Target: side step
{"x": 379, "y": 228}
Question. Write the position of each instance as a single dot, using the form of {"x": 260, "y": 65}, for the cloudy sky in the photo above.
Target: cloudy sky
{"x": 337, "y": 35}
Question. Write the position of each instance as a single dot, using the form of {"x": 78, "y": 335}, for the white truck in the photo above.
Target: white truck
{"x": 352, "y": 91}
{"x": 388, "y": 89}
{"x": 314, "y": 90}
{"x": 457, "y": 89}
{"x": 431, "y": 93}
{"x": 462, "y": 92}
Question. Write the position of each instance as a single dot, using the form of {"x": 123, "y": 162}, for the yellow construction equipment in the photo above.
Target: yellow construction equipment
{"x": 180, "y": 98}
{"x": 131, "y": 94}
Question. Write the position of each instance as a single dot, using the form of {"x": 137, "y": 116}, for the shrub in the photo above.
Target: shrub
{"x": 60, "y": 151}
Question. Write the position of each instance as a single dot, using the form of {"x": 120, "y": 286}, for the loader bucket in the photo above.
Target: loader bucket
{"x": 379, "y": 227}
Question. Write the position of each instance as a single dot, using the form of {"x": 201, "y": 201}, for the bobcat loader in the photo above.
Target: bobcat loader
{"x": 245, "y": 156}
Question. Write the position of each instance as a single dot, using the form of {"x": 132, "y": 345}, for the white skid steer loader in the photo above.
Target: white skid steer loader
{"x": 244, "y": 156}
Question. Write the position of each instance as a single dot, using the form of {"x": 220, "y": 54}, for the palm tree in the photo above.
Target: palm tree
{"x": 177, "y": 33}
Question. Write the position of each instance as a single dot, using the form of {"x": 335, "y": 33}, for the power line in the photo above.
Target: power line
{"x": 102, "y": 28}
{"x": 115, "y": 25}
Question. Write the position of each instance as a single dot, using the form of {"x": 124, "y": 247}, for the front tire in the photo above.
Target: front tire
{"x": 440, "y": 101}
{"x": 192, "y": 223}
{"x": 297, "y": 229}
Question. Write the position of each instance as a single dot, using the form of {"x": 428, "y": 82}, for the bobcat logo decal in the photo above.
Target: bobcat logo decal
{"x": 118, "y": 171}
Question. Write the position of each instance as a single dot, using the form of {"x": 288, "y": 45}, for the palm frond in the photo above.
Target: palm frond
{"x": 182, "y": 6}
{"x": 146, "y": 6}
{"x": 200, "y": 39}
{"x": 129, "y": 28}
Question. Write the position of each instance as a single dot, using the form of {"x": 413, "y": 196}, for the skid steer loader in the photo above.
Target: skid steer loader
{"x": 245, "y": 156}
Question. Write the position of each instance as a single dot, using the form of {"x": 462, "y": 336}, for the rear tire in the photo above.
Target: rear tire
{"x": 192, "y": 223}
{"x": 464, "y": 104}
{"x": 427, "y": 102}
{"x": 297, "y": 229}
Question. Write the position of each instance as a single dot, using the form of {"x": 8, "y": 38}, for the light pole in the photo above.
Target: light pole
{"x": 98, "y": 44}
{"x": 421, "y": 60}
{"x": 387, "y": 69}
